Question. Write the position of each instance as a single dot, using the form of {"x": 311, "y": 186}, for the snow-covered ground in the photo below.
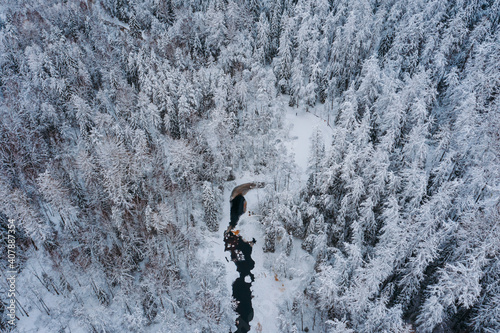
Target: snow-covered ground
{"x": 302, "y": 125}
{"x": 269, "y": 288}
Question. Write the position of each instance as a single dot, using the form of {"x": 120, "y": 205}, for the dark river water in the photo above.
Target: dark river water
{"x": 241, "y": 252}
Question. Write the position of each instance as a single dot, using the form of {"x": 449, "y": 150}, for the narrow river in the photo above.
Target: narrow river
{"x": 241, "y": 255}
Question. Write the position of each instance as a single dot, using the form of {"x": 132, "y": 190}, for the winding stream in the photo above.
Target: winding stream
{"x": 241, "y": 251}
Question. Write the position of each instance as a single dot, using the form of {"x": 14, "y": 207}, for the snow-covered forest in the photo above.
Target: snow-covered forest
{"x": 374, "y": 124}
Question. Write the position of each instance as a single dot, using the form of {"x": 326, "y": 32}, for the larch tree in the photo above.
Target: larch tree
{"x": 211, "y": 211}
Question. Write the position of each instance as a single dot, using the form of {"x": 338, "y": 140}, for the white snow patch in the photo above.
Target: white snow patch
{"x": 302, "y": 125}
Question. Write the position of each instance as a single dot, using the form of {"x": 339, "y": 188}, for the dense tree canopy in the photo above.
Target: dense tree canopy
{"x": 121, "y": 122}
